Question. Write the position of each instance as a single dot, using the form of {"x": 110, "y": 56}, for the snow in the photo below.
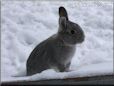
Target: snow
{"x": 87, "y": 70}
{"x": 27, "y": 23}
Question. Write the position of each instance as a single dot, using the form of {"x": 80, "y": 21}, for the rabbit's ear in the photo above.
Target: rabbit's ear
{"x": 62, "y": 23}
{"x": 63, "y": 12}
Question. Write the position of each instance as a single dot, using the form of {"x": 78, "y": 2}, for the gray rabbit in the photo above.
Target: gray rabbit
{"x": 57, "y": 51}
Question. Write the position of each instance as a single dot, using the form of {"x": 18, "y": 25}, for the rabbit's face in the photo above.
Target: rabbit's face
{"x": 71, "y": 33}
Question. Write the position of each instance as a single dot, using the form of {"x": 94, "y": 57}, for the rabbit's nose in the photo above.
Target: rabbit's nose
{"x": 81, "y": 38}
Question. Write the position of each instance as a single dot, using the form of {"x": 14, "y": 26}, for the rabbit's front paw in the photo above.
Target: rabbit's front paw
{"x": 64, "y": 68}
{"x": 67, "y": 69}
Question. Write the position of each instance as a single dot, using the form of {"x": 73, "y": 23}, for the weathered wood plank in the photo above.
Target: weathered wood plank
{"x": 96, "y": 80}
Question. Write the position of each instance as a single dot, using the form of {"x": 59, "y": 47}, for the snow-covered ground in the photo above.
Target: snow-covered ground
{"x": 27, "y": 23}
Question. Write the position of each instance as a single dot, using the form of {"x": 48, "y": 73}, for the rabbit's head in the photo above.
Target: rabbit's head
{"x": 70, "y": 32}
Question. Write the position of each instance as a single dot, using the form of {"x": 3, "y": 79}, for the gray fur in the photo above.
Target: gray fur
{"x": 56, "y": 51}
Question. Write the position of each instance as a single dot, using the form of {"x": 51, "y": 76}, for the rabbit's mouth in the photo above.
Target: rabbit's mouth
{"x": 81, "y": 39}
{"x": 70, "y": 43}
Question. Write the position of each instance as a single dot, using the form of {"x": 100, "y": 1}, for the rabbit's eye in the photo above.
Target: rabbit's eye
{"x": 72, "y": 31}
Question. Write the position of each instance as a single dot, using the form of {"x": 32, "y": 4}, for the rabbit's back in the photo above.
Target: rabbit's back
{"x": 41, "y": 57}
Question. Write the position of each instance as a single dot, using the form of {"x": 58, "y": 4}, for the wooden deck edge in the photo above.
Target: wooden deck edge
{"x": 103, "y": 79}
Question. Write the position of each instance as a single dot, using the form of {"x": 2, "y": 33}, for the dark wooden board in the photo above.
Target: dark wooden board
{"x": 95, "y": 80}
